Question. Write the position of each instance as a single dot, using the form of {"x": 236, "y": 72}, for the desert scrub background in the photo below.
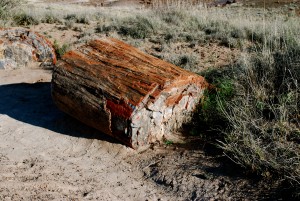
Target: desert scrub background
{"x": 253, "y": 112}
{"x": 7, "y": 7}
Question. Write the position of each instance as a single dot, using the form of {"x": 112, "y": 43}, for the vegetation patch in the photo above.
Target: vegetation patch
{"x": 256, "y": 110}
{"x": 137, "y": 28}
{"x": 24, "y": 19}
{"x": 60, "y": 50}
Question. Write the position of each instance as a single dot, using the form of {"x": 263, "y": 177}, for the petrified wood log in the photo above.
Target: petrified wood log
{"x": 124, "y": 92}
{"x": 20, "y": 47}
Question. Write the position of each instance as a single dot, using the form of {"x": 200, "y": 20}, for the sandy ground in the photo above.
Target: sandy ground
{"x": 45, "y": 154}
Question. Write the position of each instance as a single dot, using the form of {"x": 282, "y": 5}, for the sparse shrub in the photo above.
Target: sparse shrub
{"x": 86, "y": 35}
{"x": 103, "y": 28}
{"x": 209, "y": 117}
{"x": 174, "y": 17}
{"x": 78, "y": 29}
{"x": 70, "y": 17}
{"x": 229, "y": 42}
{"x": 238, "y": 33}
{"x": 256, "y": 36}
{"x": 138, "y": 28}
{"x": 187, "y": 61}
{"x": 265, "y": 117}
{"x": 170, "y": 36}
{"x": 69, "y": 24}
{"x": 60, "y": 50}
{"x": 50, "y": 19}
{"x": 256, "y": 109}
{"x": 83, "y": 20}
{"x": 24, "y": 19}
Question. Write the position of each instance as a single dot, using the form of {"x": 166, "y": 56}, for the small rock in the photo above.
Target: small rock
{"x": 20, "y": 47}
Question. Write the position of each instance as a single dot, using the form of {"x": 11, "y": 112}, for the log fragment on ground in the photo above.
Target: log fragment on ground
{"x": 21, "y": 47}
{"x": 124, "y": 92}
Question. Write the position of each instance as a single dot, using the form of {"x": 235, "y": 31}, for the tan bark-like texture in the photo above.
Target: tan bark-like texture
{"x": 124, "y": 92}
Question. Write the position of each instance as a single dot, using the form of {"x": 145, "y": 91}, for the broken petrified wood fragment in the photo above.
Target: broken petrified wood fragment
{"x": 20, "y": 47}
{"x": 124, "y": 92}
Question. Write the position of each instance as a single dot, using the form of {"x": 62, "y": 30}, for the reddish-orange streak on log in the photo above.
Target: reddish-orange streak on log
{"x": 119, "y": 109}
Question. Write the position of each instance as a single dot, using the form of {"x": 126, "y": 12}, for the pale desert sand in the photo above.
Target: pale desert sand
{"x": 45, "y": 154}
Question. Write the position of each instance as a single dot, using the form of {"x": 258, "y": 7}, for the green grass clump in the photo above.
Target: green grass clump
{"x": 60, "y": 50}
{"x": 209, "y": 119}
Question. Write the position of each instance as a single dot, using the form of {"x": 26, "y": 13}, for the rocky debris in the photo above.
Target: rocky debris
{"x": 20, "y": 47}
{"x": 125, "y": 93}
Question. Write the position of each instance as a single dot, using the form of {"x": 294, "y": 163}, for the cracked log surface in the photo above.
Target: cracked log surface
{"x": 124, "y": 92}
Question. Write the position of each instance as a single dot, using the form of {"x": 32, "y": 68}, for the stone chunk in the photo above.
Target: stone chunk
{"x": 124, "y": 92}
{"x": 20, "y": 47}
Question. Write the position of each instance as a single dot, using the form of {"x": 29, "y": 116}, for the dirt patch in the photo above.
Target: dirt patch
{"x": 47, "y": 155}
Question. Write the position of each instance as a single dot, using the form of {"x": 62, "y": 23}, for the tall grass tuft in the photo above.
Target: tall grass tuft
{"x": 264, "y": 115}
{"x": 261, "y": 120}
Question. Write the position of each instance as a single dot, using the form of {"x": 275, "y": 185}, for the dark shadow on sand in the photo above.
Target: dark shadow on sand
{"x": 32, "y": 104}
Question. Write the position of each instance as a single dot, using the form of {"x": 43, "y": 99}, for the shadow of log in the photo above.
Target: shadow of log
{"x": 32, "y": 104}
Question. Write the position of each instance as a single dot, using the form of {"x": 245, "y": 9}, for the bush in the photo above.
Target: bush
{"x": 50, "y": 19}
{"x": 265, "y": 120}
{"x": 137, "y": 28}
{"x": 24, "y": 19}
{"x": 254, "y": 112}
{"x": 187, "y": 61}
{"x": 78, "y": 19}
{"x": 83, "y": 20}
{"x": 60, "y": 50}
{"x": 102, "y": 28}
{"x": 69, "y": 24}
{"x": 175, "y": 17}
{"x": 209, "y": 119}
{"x": 71, "y": 17}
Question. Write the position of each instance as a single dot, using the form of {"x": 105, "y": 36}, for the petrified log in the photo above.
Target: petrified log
{"x": 124, "y": 92}
{"x": 20, "y": 47}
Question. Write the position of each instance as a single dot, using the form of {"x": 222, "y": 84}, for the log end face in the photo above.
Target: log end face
{"x": 162, "y": 116}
